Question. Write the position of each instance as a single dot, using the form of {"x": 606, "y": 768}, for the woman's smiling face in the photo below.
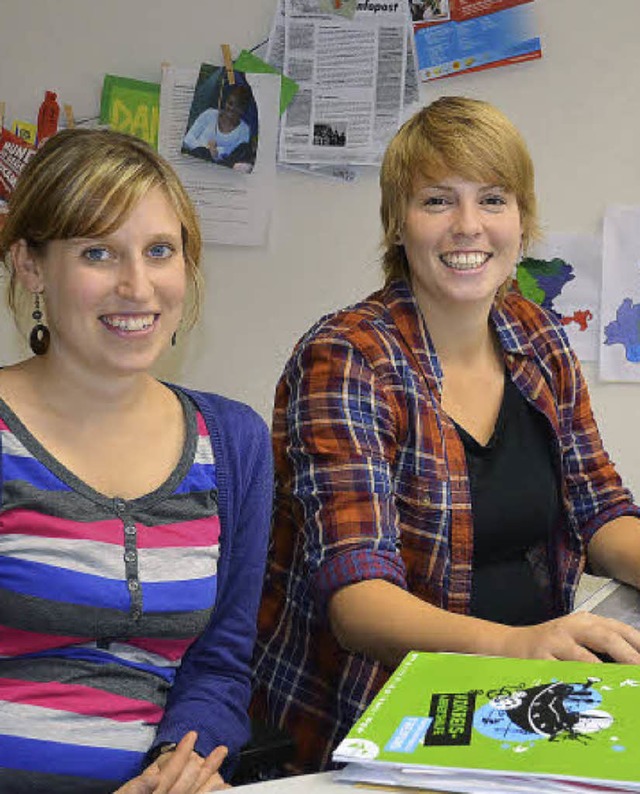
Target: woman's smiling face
{"x": 461, "y": 240}
{"x": 113, "y": 302}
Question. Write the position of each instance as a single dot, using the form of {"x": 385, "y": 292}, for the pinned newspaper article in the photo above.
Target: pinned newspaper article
{"x": 351, "y": 76}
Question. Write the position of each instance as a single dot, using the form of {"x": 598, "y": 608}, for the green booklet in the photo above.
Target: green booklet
{"x": 468, "y": 723}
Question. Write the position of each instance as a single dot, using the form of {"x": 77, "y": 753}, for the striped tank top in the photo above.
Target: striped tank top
{"x": 99, "y": 600}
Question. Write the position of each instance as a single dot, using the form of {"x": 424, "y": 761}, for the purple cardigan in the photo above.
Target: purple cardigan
{"x": 212, "y": 687}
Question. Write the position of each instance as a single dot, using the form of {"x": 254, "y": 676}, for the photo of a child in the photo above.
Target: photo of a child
{"x": 223, "y": 122}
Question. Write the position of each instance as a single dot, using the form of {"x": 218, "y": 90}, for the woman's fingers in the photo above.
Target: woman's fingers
{"x": 213, "y": 783}
{"x": 580, "y": 636}
{"x": 181, "y": 771}
{"x": 178, "y": 769}
{"x": 210, "y": 778}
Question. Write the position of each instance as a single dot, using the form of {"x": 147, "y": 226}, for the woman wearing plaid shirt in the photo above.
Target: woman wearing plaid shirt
{"x": 440, "y": 479}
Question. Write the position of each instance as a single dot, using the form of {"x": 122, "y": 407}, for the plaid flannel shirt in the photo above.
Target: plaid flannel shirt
{"x": 372, "y": 483}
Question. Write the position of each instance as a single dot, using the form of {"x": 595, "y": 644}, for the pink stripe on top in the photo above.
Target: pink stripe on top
{"x": 78, "y": 700}
{"x": 15, "y": 642}
{"x": 168, "y": 649}
{"x": 195, "y": 533}
{"x": 202, "y": 428}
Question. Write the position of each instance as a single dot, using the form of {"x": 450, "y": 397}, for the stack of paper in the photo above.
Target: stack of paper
{"x": 355, "y": 67}
{"x": 452, "y": 722}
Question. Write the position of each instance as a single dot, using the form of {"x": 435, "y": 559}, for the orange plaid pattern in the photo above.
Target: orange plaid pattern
{"x": 371, "y": 482}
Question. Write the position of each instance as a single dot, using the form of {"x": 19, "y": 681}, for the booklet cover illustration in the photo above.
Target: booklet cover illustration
{"x": 510, "y": 716}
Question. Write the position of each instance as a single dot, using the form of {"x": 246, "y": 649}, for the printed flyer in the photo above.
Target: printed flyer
{"x": 15, "y": 153}
{"x": 457, "y": 36}
{"x": 545, "y": 721}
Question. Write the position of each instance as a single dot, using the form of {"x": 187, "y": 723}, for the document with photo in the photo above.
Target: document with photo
{"x": 351, "y": 74}
{"x": 234, "y": 204}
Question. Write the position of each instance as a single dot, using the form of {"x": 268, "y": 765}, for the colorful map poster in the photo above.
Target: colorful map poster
{"x": 563, "y": 273}
{"x": 620, "y": 339}
{"x": 456, "y": 36}
{"x": 131, "y": 106}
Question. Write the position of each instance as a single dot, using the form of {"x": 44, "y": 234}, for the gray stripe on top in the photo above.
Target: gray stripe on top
{"x": 17, "y": 494}
{"x": 17, "y": 781}
{"x": 29, "y": 613}
{"x": 38, "y": 722}
{"x": 12, "y": 446}
{"x": 204, "y": 451}
{"x": 170, "y": 564}
{"x": 113, "y": 678}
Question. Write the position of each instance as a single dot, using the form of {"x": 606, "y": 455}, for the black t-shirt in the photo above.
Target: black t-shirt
{"x": 516, "y": 506}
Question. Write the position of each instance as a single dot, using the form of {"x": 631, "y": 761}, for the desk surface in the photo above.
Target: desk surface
{"x": 321, "y": 783}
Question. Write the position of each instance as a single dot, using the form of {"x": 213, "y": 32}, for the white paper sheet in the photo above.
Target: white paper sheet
{"x": 234, "y": 208}
{"x": 620, "y": 336}
{"x": 345, "y": 172}
{"x": 473, "y": 782}
{"x": 351, "y": 75}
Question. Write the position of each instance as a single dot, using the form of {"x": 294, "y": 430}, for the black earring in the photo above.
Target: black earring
{"x": 40, "y": 336}
{"x": 174, "y": 338}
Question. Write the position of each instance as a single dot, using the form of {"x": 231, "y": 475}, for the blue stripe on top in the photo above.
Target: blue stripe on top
{"x": 201, "y": 477}
{"x": 34, "y": 579}
{"x": 58, "y": 758}
{"x": 17, "y": 467}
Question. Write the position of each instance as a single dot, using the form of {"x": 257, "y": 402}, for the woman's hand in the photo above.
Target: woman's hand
{"x": 577, "y": 637}
{"x": 180, "y": 771}
{"x": 213, "y": 148}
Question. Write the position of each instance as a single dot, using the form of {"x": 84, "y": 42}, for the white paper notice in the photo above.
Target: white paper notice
{"x": 351, "y": 74}
{"x": 620, "y": 337}
{"x": 234, "y": 207}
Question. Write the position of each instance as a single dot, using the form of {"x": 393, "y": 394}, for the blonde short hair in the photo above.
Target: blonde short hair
{"x": 453, "y": 136}
{"x": 83, "y": 183}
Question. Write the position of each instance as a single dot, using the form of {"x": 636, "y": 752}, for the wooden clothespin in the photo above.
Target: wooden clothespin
{"x": 68, "y": 113}
{"x": 2, "y": 106}
{"x": 228, "y": 63}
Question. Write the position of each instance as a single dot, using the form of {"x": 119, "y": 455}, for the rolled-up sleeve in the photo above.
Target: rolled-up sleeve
{"x": 341, "y": 443}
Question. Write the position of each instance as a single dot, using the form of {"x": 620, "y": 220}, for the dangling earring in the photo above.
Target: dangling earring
{"x": 174, "y": 338}
{"x": 40, "y": 336}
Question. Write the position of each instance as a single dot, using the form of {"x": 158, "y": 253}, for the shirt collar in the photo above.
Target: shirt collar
{"x": 406, "y": 314}
{"x": 408, "y": 319}
{"x": 513, "y": 336}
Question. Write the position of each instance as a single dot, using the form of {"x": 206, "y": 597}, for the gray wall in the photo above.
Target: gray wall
{"x": 578, "y": 108}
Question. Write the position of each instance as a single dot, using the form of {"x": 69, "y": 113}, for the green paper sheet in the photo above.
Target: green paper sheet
{"x": 132, "y": 106}
{"x": 249, "y": 63}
